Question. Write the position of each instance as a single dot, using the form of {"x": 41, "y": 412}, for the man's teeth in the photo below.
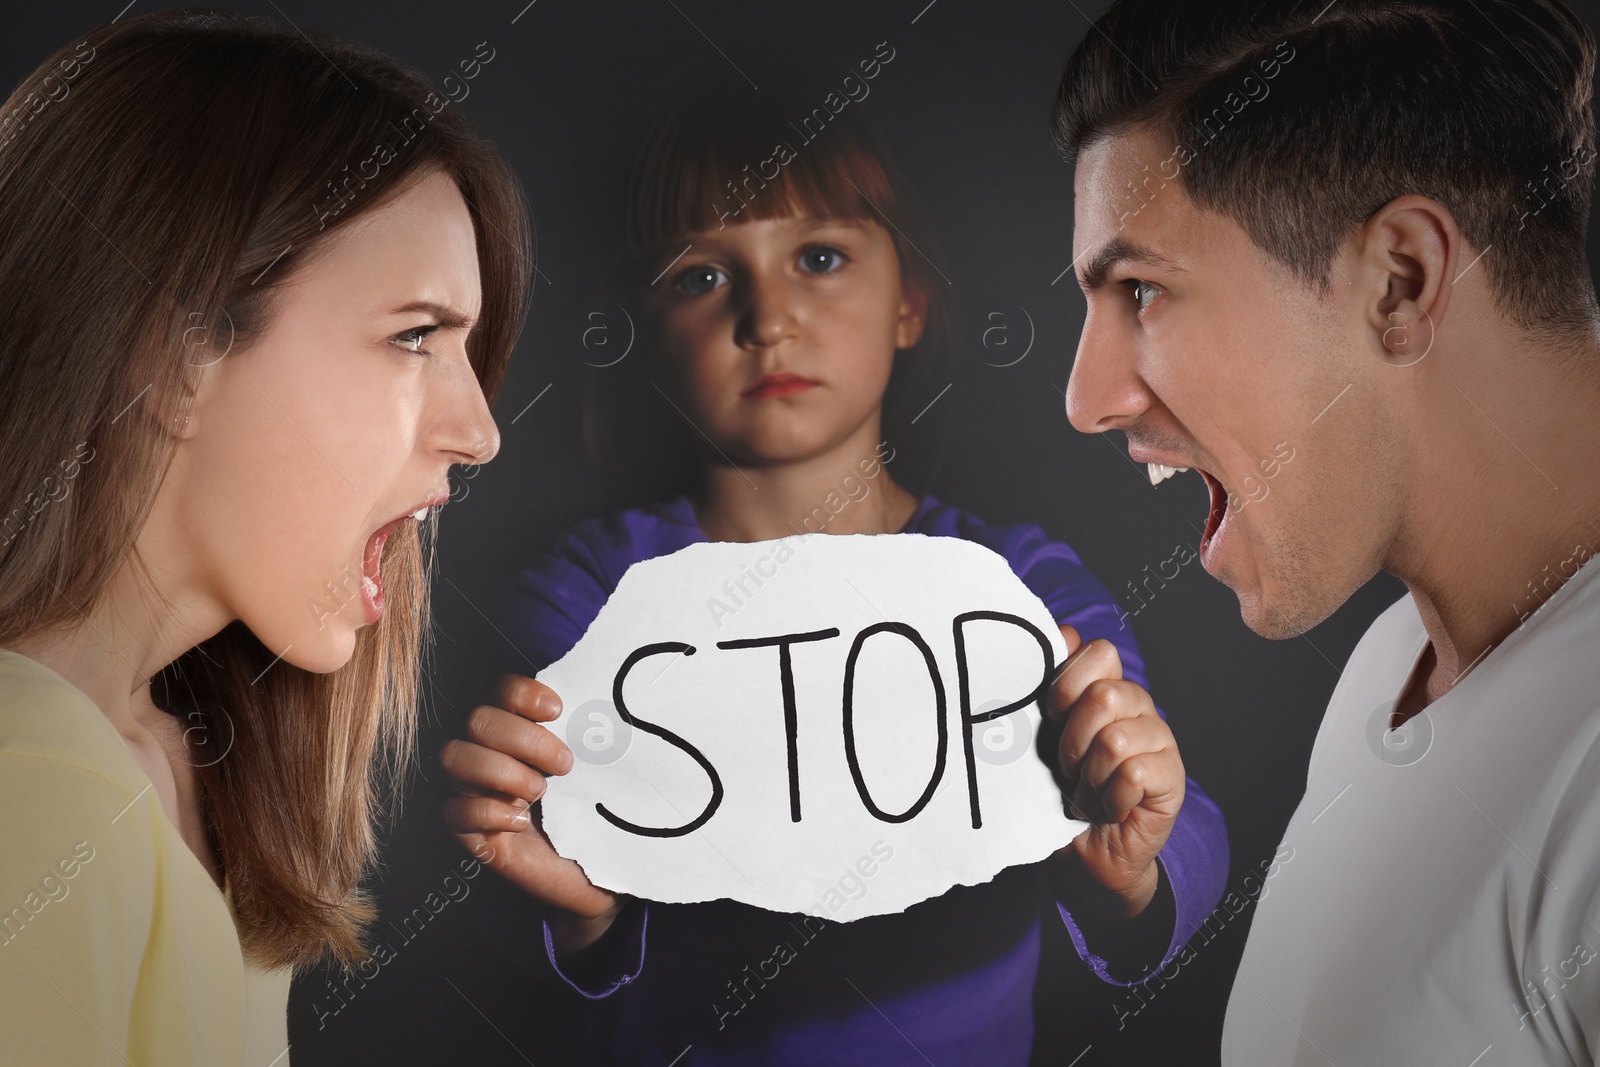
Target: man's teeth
{"x": 421, "y": 514}
{"x": 1160, "y": 472}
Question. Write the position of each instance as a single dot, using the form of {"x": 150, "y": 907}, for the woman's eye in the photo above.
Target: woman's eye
{"x": 822, "y": 259}
{"x": 1140, "y": 289}
{"x": 697, "y": 280}
{"x": 412, "y": 339}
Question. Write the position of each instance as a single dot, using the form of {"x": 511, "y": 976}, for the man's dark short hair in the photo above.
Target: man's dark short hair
{"x": 1300, "y": 120}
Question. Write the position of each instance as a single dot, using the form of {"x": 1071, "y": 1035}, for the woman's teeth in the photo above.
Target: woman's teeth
{"x": 421, "y": 514}
{"x": 1160, "y": 472}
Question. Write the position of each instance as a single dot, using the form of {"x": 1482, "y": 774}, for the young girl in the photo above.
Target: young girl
{"x": 237, "y": 272}
{"x": 782, "y": 307}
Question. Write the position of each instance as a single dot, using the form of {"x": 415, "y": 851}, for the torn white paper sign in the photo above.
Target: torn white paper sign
{"x": 836, "y": 725}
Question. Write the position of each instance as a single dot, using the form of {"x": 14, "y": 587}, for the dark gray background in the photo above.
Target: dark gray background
{"x": 966, "y": 101}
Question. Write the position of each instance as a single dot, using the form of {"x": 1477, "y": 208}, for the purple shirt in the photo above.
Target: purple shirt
{"x": 948, "y": 980}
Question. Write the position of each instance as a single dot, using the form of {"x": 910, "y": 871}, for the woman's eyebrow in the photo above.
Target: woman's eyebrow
{"x": 449, "y": 317}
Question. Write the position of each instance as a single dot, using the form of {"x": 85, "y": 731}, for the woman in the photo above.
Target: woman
{"x": 258, "y": 289}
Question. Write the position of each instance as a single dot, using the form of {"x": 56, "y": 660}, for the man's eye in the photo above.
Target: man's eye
{"x": 412, "y": 339}
{"x": 697, "y": 280}
{"x": 821, "y": 259}
{"x": 1144, "y": 293}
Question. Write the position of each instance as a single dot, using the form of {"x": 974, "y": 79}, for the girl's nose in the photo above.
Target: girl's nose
{"x": 768, "y": 316}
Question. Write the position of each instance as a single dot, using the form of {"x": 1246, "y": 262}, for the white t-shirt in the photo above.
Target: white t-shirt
{"x": 1442, "y": 902}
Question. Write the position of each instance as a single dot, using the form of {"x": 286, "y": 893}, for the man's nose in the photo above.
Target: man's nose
{"x": 1104, "y": 391}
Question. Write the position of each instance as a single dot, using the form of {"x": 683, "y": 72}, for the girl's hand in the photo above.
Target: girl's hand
{"x": 1121, "y": 770}
{"x": 501, "y": 773}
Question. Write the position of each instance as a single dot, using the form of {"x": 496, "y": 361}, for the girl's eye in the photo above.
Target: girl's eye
{"x": 697, "y": 280}
{"x": 1140, "y": 289}
{"x": 412, "y": 339}
{"x": 822, "y": 259}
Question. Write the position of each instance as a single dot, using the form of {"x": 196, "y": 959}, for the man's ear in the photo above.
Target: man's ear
{"x": 1411, "y": 254}
{"x": 913, "y": 314}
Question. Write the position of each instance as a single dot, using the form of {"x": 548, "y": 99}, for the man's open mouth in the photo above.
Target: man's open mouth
{"x": 1216, "y": 513}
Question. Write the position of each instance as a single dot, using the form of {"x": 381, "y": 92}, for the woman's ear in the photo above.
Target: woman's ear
{"x": 913, "y": 314}
{"x": 172, "y": 411}
{"x": 205, "y": 341}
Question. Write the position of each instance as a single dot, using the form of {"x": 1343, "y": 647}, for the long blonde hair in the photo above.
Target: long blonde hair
{"x": 172, "y": 172}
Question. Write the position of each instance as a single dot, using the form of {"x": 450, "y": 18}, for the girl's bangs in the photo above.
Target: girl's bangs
{"x": 700, "y": 178}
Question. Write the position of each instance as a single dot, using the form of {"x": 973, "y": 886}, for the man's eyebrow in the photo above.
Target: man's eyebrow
{"x": 1120, "y": 250}
{"x": 448, "y": 317}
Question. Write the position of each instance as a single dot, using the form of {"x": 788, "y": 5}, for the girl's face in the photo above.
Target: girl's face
{"x": 305, "y": 451}
{"x": 781, "y": 333}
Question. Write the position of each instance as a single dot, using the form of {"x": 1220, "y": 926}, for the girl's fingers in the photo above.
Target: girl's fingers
{"x": 468, "y": 815}
{"x": 528, "y": 860}
{"x": 514, "y": 735}
{"x": 1101, "y": 703}
{"x": 1128, "y": 786}
{"x": 1094, "y": 661}
{"x": 1074, "y": 640}
{"x": 529, "y": 698}
{"x": 479, "y": 770}
{"x": 1148, "y": 779}
{"x": 1121, "y": 740}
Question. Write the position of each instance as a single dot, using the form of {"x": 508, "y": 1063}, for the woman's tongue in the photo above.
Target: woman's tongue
{"x": 371, "y": 583}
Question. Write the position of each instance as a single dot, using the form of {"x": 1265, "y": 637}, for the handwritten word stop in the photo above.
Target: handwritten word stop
{"x": 869, "y": 689}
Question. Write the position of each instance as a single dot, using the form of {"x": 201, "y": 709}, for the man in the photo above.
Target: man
{"x": 1334, "y": 261}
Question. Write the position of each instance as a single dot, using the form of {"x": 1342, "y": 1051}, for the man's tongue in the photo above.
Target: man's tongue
{"x": 1219, "y": 506}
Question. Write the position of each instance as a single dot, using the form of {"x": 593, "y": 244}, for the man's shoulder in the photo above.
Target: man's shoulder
{"x": 1383, "y": 655}
{"x": 1561, "y": 631}
{"x": 1399, "y": 623}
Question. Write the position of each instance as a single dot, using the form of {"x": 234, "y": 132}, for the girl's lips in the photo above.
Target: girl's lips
{"x": 769, "y": 385}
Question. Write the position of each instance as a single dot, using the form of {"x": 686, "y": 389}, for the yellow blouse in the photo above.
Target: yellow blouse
{"x": 116, "y": 947}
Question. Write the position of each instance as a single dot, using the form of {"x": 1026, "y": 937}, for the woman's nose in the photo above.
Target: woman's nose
{"x": 467, "y": 429}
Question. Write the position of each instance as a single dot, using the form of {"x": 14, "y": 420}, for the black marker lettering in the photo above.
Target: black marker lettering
{"x": 666, "y": 735}
{"x": 968, "y": 719}
{"x": 906, "y": 631}
{"x": 791, "y": 725}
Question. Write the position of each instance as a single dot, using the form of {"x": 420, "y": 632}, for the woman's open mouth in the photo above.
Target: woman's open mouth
{"x": 372, "y": 599}
{"x": 371, "y": 579}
